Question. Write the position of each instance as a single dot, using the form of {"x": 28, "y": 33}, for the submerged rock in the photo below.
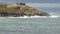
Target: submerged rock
{"x": 20, "y": 9}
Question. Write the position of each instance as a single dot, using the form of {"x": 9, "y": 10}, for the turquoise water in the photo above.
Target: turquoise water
{"x": 32, "y": 25}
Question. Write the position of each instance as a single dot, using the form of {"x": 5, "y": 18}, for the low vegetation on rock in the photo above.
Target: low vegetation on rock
{"x": 19, "y": 9}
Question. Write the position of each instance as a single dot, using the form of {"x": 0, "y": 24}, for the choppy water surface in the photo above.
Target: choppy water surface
{"x": 33, "y": 25}
{"x": 30, "y": 26}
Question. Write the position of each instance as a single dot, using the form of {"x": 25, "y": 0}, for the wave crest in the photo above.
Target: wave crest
{"x": 33, "y": 17}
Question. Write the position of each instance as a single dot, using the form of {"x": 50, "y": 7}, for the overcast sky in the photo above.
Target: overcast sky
{"x": 32, "y": 1}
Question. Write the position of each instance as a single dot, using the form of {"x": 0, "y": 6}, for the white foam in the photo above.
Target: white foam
{"x": 33, "y": 17}
{"x": 54, "y": 16}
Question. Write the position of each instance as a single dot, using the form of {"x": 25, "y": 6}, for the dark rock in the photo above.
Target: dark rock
{"x": 3, "y": 14}
{"x": 22, "y": 3}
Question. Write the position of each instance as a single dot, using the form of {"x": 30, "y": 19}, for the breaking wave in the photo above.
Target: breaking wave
{"x": 34, "y": 17}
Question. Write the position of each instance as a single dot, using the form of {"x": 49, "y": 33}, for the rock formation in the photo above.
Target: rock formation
{"x": 20, "y": 9}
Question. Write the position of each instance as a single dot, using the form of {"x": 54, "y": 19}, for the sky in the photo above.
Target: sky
{"x": 31, "y": 1}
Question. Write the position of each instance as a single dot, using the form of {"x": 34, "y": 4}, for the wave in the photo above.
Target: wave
{"x": 54, "y": 16}
{"x": 34, "y": 17}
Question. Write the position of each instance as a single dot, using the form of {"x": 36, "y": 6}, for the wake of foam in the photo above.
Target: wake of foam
{"x": 33, "y": 17}
{"x": 54, "y": 16}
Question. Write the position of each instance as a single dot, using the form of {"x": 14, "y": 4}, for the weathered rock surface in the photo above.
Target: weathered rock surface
{"x": 20, "y": 10}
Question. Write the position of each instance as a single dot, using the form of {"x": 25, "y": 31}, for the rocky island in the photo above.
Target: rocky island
{"x": 19, "y": 9}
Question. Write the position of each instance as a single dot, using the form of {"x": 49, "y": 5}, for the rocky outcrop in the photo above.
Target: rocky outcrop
{"x": 21, "y": 9}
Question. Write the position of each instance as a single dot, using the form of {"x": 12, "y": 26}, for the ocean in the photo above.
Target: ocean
{"x": 33, "y": 25}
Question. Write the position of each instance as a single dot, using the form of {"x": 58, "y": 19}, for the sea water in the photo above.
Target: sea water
{"x": 33, "y": 25}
